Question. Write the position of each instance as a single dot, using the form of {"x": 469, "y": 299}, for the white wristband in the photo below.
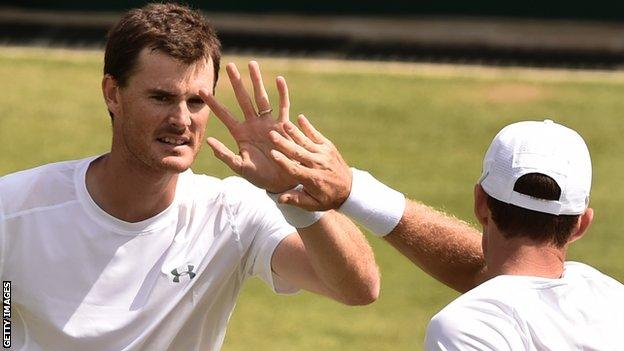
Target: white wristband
{"x": 295, "y": 216}
{"x": 373, "y": 204}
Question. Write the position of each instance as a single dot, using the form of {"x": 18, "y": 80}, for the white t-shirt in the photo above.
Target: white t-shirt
{"x": 582, "y": 310}
{"x": 84, "y": 280}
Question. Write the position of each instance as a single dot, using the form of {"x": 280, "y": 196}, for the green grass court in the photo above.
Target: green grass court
{"x": 421, "y": 128}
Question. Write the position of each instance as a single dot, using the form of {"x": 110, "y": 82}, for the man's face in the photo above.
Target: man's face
{"x": 160, "y": 118}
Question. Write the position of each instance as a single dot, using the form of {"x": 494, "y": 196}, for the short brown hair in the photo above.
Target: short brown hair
{"x": 514, "y": 221}
{"x": 175, "y": 30}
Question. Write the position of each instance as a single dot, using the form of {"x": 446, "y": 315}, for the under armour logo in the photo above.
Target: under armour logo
{"x": 178, "y": 272}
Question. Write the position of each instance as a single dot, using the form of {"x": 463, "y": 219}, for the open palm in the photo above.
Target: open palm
{"x": 253, "y": 161}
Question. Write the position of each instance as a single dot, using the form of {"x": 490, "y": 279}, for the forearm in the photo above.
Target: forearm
{"x": 446, "y": 248}
{"x": 342, "y": 259}
{"x": 443, "y": 246}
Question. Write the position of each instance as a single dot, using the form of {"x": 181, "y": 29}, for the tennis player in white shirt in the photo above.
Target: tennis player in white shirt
{"x": 532, "y": 202}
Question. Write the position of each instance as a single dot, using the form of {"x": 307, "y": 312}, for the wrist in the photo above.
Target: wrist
{"x": 373, "y": 204}
{"x": 295, "y": 216}
{"x": 280, "y": 190}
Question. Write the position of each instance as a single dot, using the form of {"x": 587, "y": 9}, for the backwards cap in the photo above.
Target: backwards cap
{"x": 539, "y": 147}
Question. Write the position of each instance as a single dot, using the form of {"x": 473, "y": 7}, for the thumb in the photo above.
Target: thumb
{"x": 301, "y": 199}
{"x": 227, "y": 156}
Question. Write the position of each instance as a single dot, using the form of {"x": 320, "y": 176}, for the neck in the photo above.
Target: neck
{"x": 523, "y": 256}
{"x": 127, "y": 191}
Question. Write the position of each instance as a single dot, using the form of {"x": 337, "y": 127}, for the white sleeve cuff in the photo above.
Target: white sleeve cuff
{"x": 276, "y": 283}
{"x": 295, "y": 216}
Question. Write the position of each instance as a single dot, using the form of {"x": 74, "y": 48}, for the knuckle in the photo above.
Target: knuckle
{"x": 294, "y": 200}
{"x": 323, "y": 161}
{"x": 294, "y": 169}
{"x": 297, "y": 154}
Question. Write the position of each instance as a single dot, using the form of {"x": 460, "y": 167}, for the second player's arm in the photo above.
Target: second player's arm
{"x": 446, "y": 248}
{"x": 443, "y": 246}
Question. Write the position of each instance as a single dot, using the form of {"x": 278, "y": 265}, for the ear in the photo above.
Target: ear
{"x": 110, "y": 90}
{"x": 581, "y": 226}
{"x": 481, "y": 210}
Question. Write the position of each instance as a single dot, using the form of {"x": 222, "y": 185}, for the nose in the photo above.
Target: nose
{"x": 180, "y": 117}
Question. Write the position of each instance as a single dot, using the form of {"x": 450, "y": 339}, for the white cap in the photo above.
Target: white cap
{"x": 539, "y": 147}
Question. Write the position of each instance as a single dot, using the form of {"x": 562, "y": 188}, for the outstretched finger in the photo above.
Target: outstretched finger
{"x": 244, "y": 101}
{"x": 219, "y": 110}
{"x": 309, "y": 130}
{"x": 284, "y": 100}
{"x": 299, "y": 138}
{"x": 260, "y": 94}
{"x": 300, "y": 199}
{"x": 290, "y": 149}
{"x": 223, "y": 153}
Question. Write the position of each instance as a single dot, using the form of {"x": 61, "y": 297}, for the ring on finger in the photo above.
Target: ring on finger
{"x": 264, "y": 112}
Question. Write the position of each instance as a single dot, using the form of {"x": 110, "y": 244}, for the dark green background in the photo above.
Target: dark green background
{"x": 585, "y": 10}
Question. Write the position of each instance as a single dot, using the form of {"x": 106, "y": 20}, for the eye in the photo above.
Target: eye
{"x": 196, "y": 102}
{"x": 160, "y": 98}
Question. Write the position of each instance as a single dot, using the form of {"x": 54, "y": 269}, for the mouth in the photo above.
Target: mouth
{"x": 174, "y": 141}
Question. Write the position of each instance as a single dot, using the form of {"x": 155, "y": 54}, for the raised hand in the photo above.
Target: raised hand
{"x": 315, "y": 162}
{"x": 253, "y": 161}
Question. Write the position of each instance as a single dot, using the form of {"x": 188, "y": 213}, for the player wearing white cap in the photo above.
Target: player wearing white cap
{"x": 532, "y": 201}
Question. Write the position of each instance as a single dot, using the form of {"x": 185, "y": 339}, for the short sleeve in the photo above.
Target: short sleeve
{"x": 260, "y": 258}
{"x": 466, "y": 329}
{"x": 263, "y": 226}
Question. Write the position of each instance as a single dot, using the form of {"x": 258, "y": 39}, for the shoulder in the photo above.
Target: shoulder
{"x": 577, "y": 269}
{"x": 235, "y": 193}
{"x": 239, "y": 193}
{"x": 487, "y": 298}
{"x": 36, "y": 173}
{"x": 38, "y": 187}
{"x": 479, "y": 319}
{"x": 580, "y": 273}
{"x": 235, "y": 188}
{"x": 240, "y": 187}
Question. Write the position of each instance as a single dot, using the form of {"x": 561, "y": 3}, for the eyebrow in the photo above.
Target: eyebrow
{"x": 162, "y": 92}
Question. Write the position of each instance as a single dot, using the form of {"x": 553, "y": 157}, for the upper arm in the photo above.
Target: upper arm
{"x": 261, "y": 228}
{"x": 290, "y": 264}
